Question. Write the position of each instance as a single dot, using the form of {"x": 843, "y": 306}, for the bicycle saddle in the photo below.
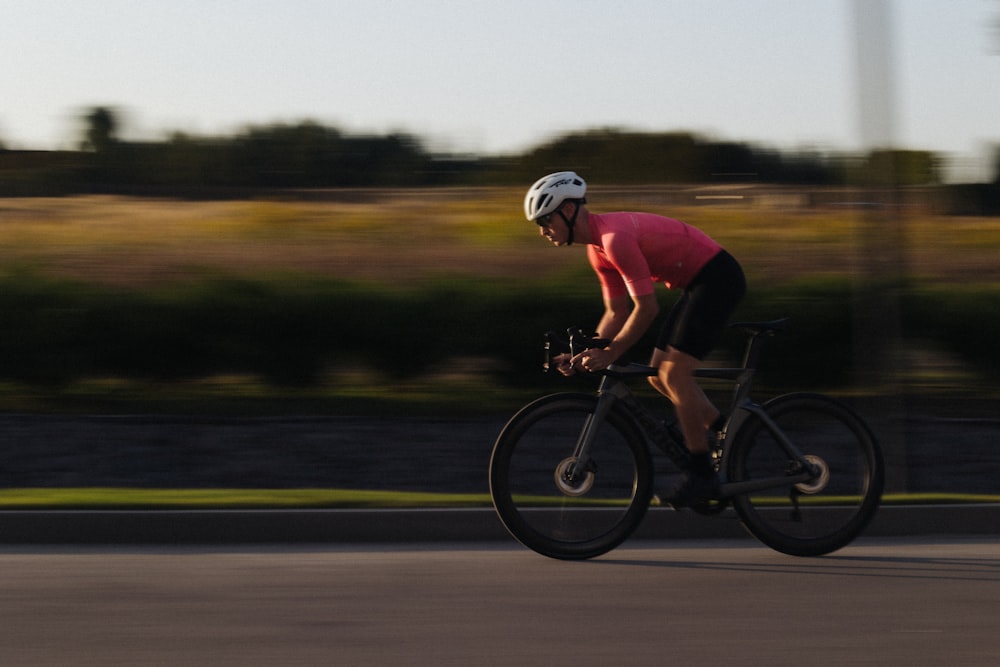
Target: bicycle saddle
{"x": 770, "y": 327}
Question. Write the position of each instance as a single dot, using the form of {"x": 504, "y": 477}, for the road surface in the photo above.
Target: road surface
{"x": 879, "y": 602}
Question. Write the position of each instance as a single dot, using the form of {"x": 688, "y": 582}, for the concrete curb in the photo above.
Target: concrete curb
{"x": 215, "y": 527}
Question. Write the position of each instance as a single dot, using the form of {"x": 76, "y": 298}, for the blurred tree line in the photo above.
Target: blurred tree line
{"x": 297, "y": 331}
{"x": 310, "y": 155}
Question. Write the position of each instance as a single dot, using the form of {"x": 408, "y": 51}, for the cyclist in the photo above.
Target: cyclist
{"x": 630, "y": 252}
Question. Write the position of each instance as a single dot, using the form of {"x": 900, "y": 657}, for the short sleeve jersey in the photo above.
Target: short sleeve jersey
{"x": 630, "y": 252}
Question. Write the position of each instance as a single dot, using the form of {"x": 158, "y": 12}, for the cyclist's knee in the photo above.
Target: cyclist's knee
{"x": 676, "y": 375}
{"x": 666, "y": 381}
{"x": 670, "y": 374}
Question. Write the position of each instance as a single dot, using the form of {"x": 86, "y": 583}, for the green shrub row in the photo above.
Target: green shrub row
{"x": 294, "y": 330}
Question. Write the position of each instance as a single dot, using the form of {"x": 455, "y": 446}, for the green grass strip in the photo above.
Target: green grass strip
{"x": 170, "y": 499}
{"x": 166, "y": 499}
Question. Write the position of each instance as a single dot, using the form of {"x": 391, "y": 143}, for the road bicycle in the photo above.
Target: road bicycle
{"x": 572, "y": 474}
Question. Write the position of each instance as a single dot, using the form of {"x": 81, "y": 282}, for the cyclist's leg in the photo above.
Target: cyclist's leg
{"x": 676, "y": 381}
{"x": 691, "y": 331}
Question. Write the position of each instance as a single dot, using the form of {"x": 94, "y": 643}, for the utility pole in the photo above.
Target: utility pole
{"x": 882, "y": 267}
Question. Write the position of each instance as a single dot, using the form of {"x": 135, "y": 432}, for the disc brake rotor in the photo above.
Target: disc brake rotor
{"x": 819, "y": 482}
{"x": 572, "y": 487}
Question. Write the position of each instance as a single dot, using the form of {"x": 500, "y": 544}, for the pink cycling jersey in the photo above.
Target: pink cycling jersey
{"x": 632, "y": 251}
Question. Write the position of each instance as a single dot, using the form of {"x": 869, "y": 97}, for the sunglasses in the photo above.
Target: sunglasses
{"x": 544, "y": 220}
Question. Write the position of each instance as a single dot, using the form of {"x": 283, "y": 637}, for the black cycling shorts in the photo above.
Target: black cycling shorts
{"x": 697, "y": 321}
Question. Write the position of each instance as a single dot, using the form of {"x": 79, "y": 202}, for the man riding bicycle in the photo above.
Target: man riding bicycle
{"x": 630, "y": 252}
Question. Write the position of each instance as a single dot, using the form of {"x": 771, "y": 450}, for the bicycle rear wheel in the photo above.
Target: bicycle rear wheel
{"x": 822, "y": 514}
{"x": 561, "y": 518}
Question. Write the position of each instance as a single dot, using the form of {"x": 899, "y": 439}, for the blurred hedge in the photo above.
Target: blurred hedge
{"x": 293, "y": 330}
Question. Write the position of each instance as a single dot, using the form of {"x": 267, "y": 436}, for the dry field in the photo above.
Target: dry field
{"x": 404, "y": 236}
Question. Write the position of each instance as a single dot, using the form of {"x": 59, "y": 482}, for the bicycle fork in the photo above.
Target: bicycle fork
{"x": 609, "y": 391}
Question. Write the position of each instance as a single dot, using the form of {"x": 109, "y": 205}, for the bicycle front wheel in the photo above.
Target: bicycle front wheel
{"x": 826, "y": 512}
{"x": 558, "y": 517}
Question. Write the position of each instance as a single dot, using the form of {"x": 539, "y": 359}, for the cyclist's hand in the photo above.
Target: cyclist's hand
{"x": 593, "y": 360}
{"x": 562, "y": 363}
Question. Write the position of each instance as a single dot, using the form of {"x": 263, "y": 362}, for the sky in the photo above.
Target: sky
{"x": 493, "y": 78}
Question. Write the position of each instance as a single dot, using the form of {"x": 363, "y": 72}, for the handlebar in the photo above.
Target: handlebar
{"x": 575, "y": 342}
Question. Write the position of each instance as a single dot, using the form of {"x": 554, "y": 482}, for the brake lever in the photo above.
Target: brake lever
{"x": 579, "y": 341}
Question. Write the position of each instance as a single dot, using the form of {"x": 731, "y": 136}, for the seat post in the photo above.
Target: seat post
{"x": 752, "y": 354}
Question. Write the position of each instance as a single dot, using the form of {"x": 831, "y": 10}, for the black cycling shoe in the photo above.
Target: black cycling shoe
{"x": 696, "y": 489}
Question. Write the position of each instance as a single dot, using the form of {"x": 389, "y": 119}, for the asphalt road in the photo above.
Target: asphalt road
{"x": 882, "y": 601}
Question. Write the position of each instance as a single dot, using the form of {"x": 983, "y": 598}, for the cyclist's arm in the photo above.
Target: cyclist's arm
{"x": 625, "y": 325}
{"x": 616, "y": 314}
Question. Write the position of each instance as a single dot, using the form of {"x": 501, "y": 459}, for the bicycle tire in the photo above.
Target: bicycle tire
{"x": 541, "y": 512}
{"x": 831, "y": 509}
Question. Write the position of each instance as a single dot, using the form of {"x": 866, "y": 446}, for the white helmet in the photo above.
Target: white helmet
{"x": 549, "y": 192}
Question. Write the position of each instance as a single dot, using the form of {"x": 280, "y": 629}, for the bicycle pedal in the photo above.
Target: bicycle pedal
{"x": 709, "y": 507}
